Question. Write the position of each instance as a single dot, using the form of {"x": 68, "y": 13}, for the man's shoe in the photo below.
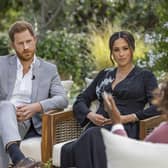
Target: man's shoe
{"x": 28, "y": 163}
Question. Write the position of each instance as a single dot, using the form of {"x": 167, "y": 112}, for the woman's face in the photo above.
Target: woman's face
{"x": 122, "y": 53}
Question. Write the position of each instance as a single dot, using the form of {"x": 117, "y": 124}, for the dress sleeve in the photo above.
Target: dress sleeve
{"x": 150, "y": 84}
{"x": 84, "y": 99}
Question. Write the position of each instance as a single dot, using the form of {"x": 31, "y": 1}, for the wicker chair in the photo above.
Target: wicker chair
{"x": 61, "y": 126}
{"x": 147, "y": 125}
{"x": 57, "y": 127}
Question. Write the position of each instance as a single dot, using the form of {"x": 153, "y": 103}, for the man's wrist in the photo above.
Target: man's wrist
{"x": 38, "y": 107}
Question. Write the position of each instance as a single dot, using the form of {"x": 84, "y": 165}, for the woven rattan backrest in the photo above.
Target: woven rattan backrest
{"x": 67, "y": 130}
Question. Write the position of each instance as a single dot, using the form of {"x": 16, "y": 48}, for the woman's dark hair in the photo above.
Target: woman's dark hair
{"x": 122, "y": 34}
{"x": 161, "y": 97}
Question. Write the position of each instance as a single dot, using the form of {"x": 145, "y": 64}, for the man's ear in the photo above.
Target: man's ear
{"x": 11, "y": 44}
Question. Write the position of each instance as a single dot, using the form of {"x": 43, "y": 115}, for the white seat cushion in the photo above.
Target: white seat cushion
{"x": 123, "y": 152}
{"x": 56, "y": 160}
{"x": 31, "y": 147}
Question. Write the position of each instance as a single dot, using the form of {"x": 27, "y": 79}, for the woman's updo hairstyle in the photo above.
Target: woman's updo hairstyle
{"x": 128, "y": 37}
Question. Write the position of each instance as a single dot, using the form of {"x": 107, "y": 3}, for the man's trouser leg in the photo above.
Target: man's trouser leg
{"x": 4, "y": 159}
{"x": 9, "y": 129}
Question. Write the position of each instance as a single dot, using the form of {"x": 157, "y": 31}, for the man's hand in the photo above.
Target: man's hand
{"x": 26, "y": 111}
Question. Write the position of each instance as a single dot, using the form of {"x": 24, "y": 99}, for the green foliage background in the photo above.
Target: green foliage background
{"x": 69, "y": 52}
{"x": 73, "y": 33}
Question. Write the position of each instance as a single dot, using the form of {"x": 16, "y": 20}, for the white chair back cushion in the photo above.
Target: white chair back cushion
{"x": 123, "y": 152}
{"x": 67, "y": 84}
{"x": 88, "y": 81}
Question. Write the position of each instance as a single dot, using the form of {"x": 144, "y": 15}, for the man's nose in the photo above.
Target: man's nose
{"x": 25, "y": 46}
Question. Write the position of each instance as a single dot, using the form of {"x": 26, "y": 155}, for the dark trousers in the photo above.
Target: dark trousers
{"x": 86, "y": 152}
{"x": 31, "y": 132}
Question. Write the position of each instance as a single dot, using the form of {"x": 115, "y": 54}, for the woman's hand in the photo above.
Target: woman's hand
{"x": 97, "y": 119}
{"x": 128, "y": 118}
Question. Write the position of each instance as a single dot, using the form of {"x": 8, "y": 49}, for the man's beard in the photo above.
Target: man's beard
{"x": 25, "y": 56}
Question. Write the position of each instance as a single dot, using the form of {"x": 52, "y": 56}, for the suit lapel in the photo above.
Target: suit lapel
{"x": 36, "y": 80}
{"x": 11, "y": 75}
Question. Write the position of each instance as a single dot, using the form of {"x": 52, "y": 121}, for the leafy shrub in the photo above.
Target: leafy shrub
{"x": 4, "y": 47}
{"x": 70, "y": 53}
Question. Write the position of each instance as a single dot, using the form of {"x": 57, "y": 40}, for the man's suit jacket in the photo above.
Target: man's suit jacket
{"x": 46, "y": 85}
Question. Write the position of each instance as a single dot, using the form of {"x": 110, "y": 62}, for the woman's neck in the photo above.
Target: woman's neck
{"x": 121, "y": 74}
{"x": 126, "y": 69}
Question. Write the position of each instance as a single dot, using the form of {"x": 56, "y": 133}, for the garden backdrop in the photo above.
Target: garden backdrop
{"x": 74, "y": 33}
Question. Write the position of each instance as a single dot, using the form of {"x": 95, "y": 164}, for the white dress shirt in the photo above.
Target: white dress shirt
{"x": 23, "y": 85}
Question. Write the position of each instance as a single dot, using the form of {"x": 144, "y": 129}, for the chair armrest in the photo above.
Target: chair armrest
{"x": 147, "y": 125}
{"x": 57, "y": 127}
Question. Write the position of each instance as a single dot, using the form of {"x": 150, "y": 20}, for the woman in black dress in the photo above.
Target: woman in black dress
{"x": 131, "y": 88}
